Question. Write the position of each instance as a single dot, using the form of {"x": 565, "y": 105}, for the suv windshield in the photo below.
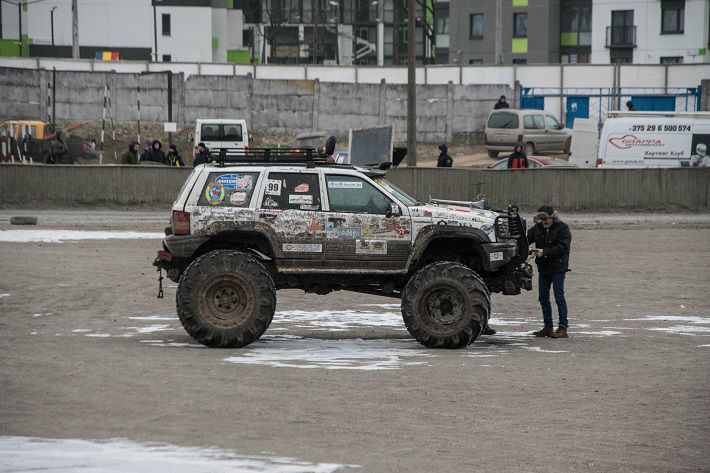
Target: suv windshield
{"x": 503, "y": 120}
{"x": 402, "y": 196}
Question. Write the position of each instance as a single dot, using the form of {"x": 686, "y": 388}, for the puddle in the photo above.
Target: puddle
{"x": 21, "y": 454}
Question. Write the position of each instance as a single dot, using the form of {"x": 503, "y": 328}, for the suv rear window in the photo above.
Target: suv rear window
{"x": 228, "y": 189}
{"x": 503, "y": 120}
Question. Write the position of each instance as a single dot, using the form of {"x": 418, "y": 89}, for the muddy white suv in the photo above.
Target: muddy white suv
{"x": 270, "y": 220}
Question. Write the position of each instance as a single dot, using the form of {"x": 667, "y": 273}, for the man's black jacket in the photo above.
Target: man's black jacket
{"x": 555, "y": 243}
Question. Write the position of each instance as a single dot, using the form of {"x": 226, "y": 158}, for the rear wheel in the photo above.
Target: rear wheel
{"x": 492, "y": 154}
{"x": 445, "y": 305}
{"x": 226, "y": 299}
{"x": 529, "y": 149}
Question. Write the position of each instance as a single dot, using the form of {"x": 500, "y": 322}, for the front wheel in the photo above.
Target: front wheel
{"x": 568, "y": 146}
{"x": 445, "y": 305}
{"x": 226, "y": 299}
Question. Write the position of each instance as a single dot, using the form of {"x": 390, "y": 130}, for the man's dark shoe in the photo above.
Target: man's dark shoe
{"x": 561, "y": 332}
{"x": 545, "y": 332}
{"x": 487, "y": 330}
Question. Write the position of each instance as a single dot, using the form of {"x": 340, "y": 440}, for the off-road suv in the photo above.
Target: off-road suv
{"x": 240, "y": 230}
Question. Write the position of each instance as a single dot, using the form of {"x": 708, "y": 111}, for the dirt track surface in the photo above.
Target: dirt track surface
{"x": 88, "y": 352}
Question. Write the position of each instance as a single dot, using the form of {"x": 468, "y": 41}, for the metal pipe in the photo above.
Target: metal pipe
{"x": 411, "y": 89}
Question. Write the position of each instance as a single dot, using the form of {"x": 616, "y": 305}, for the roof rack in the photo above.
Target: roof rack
{"x": 309, "y": 156}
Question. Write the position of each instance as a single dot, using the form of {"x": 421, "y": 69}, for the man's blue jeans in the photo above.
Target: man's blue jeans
{"x": 557, "y": 281}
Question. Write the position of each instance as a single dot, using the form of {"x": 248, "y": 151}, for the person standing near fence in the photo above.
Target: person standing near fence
{"x": 154, "y": 154}
{"x": 518, "y": 159}
{"x": 174, "y": 158}
{"x": 131, "y": 155}
{"x": 444, "y": 161}
{"x": 501, "y": 103}
{"x": 59, "y": 150}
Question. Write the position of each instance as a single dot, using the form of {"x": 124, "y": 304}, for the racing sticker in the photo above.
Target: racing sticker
{"x": 301, "y": 188}
{"x": 238, "y": 198}
{"x": 345, "y": 184}
{"x": 214, "y": 193}
{"x": 302, "y": 248}
{"x": 273, "y": 187}
{"x": 371, "y": 247}
{"x": 497, "y": 256}
{"x": 300, "y": 199}
{"x": 228, "y": 181}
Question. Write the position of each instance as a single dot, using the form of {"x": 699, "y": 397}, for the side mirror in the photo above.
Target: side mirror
{"x": 393, "y": 211}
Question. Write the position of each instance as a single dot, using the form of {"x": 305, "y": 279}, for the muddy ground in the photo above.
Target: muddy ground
{"x": 88, "y": 352}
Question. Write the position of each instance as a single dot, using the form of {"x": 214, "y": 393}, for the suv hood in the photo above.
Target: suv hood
{"x": 457, "y": 215}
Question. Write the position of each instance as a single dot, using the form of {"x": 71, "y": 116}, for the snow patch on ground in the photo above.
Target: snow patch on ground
{"x": 153, "y": 317}
{"x": 338, "y": 320}
{"x": 4, "y": 295}
{"x": 364, "y": 355}
{"x": 682, "y": 329}
{"x": 599, "y": 333}
{"x": 675, "y": 318}
{"x": 59, "y": 236}
{"x": 122, "y": 456}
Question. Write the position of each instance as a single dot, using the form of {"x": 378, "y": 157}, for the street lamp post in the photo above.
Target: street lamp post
{"x": 51, "y": 20}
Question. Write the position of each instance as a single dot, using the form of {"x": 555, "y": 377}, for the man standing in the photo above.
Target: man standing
{"x": 131, "y": 156}
{"x": 501, "y": 103}
{"x": 444, "y": 161}
{"x": 59, "y": 150}
{"x": 518, "y": 159}
{"x": 174, "y": 158}
{"x": 154, "y": 154}
{"x": 552, "y": 239}
{"x": 201, "y": 154}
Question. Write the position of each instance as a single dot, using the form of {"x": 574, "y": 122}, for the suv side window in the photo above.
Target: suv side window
{"x": 552, "y": 123}
{"x": 291, "y": 191}
{"x": 355, "y": 195}
{"x": 533, "y": 122}
{"x": 228, "y": 189}
{"x": 503, "y": 120}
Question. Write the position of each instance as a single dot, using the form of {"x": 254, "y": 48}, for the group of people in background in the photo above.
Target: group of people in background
{"x": 154, "y": 154}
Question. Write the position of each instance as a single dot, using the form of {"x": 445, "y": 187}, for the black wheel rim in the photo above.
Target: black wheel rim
{"x": 226, "y": 301}
{"x": 444, "y": 309}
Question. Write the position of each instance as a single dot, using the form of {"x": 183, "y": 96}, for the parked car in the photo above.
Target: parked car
{"x": 536, "y": 130}
{"x": 536, "y": 162}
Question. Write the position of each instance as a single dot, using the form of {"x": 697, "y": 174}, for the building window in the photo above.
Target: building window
{"x": 621, "y": 55}
{"x": 166, "y": 24}
{"x": 520, "y": 25}
{"x": 576, "y": 25}
{"x": 672, "y": 16}
{"x": 476, "y": 26}
{"x": 167, "y": 58}
{"x": 520, "y": 61}
{"x": 475, "y": 62}
{"x": 672, "y": 60}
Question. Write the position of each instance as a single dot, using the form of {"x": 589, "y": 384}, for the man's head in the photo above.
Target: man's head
{"x": 157, "y": 145}
{"x": 547, "y": 215}
{"x": 172, "y": 149}
{"x": 134, "y": 146}
{"x": 502, "y": 99}
{"x": 201, "y": 146}
{"x": 701, "y": 149}
{"x": 518, "y": 148}
{"x": 443, "y": 148}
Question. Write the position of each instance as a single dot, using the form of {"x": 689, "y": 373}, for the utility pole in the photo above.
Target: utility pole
{"x": 499, "y": 32}
{"x": 155, "y": 33}
{"x": 381, "y": 33}
{"x": 19, "y": 10}
{"x": 74, "y": 29}
{"x": 411, "y": 88}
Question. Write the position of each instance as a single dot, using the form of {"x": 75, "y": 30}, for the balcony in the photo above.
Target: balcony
{"x": 620, "y": 36}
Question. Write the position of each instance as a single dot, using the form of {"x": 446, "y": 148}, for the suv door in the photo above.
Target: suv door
{"x": 359, "y": 233}
{"x": 289, "y": 211}
{"x": 534, "y": 130}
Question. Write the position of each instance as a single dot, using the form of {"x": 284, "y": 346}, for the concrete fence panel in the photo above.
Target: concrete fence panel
{"x": 575, "y": 190}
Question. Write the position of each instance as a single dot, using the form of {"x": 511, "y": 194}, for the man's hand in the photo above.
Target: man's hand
{"x": 536, "y": 251}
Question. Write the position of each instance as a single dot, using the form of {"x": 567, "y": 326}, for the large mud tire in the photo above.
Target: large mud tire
{"x": 226, "y": 299}
{"x": 445, "y": 305}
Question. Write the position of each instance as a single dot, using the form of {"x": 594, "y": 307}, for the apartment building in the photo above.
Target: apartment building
{"x": 651, "y": 31}
{"x": 157, "y": 30}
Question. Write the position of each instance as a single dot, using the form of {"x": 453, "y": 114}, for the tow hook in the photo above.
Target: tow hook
{"x": 163, "y": 256}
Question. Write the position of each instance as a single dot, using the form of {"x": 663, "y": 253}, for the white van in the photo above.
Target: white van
{"x": 221, "y": 134}
{"x": 653, "y": 139}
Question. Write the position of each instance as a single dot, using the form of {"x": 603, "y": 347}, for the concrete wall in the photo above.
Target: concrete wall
{"x": 568, "y": 189}
{"x": 445, "y": 112}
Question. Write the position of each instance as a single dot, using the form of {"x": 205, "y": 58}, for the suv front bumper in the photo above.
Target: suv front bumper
{"x": 498, "y": 254}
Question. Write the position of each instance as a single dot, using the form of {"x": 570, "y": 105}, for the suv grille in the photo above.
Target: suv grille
{"x": 509, "y": 227}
